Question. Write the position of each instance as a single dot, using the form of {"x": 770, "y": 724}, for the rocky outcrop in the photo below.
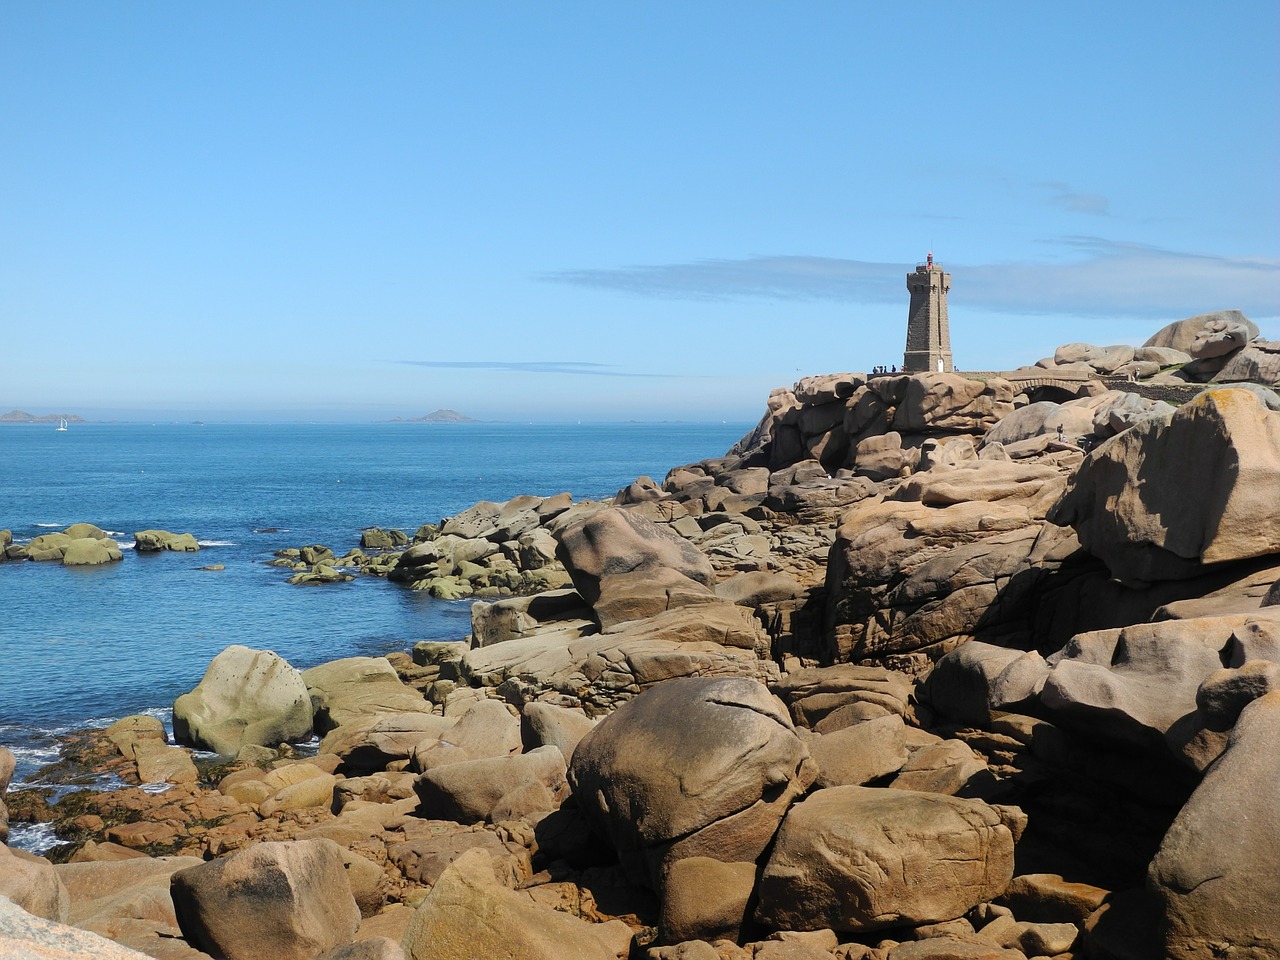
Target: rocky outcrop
{"x": 955, "y": 554}
{"x": 282, "y": 900}
{"x": 79, "y": 545}
{"x": 691, "y": 768}
{"x": 616, "y": 550}
{"x": 127, "y": 900}
{"x": 496, "y": 788}
{"x": 346, "y": 691}
{"x": 487, "y": 729}
{"x": 602, "y": 670}
{"x": 7, "y": 764}
{"x": 814, "y": 691}
{"x": 853, "y": 859}
{"x": 1161, "y": 501}
{"x": 246, "y": 697}
{"x": 1258, "y": 362}
{"x": 489, "y": 550}
{"x": 1156, "y": 686}
{"x": 1182, "y": 335}
{"x": 31, "y": 884}
{"x": 829, "y": 423}
{"x": 154, "y": 541}
{"x": 1139, "y": 684}
{"x": 1215, "y": 871}
{"x": 444, "y": 926}
{"x": 28, "y": 936}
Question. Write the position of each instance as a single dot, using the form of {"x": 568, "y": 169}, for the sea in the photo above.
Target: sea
{"x": 83, "y": 646}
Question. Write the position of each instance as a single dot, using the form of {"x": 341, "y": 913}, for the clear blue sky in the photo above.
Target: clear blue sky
{"x": 607, "y": 210}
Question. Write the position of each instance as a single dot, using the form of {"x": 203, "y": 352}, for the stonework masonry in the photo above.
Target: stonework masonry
{"x": 928, "y": 333}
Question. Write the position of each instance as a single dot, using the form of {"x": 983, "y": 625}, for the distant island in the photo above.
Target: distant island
{"x": 21, "y": 416}
{"x": 439, "y": 416}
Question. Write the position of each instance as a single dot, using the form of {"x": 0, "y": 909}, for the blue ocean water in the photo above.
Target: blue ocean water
{"x": 81, "y": 646}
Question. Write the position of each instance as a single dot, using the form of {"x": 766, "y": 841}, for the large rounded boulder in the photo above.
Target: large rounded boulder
{"x": 1161, "y": 500}
{"x": 287, "y": 901}
{"x": 858, "y": 858}
{"x": 91, "y": 551}
{"x": 615, "y": 542}
{"x": 694, "y": 767}
{"x": 1183, "y": 334}
{"x": 246, "y": 697}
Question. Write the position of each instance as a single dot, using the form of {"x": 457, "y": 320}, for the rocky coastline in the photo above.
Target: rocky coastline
{"x": 927, "y": 667}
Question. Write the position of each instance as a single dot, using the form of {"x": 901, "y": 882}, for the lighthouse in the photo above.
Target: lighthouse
{"x": 928, "y": 334}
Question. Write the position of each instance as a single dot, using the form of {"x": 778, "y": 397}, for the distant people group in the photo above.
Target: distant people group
{"x": 876, "y": 371}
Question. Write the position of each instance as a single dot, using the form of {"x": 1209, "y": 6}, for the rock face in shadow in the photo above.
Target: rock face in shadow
{"x": 1215, "y": 873}
{"x": 953, "y": 553}
{"x": 693, "y": 767}
{"x": 1160, "y": 501}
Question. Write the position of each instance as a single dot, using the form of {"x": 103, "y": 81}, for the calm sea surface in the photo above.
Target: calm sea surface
{"x": 82, "y": 645}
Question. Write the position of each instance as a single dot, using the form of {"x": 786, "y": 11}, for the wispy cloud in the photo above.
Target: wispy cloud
{"x": 535, "y": 366}
{"x": 777, "y": 278}
{"x": 1097, "y": 277}
{"x": 1063, "y": 195}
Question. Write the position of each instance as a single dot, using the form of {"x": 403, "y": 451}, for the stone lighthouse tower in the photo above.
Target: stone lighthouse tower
{"x": 928, "y": 334}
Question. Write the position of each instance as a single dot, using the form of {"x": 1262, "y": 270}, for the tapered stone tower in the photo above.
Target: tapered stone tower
{"x": 928, "y": 334}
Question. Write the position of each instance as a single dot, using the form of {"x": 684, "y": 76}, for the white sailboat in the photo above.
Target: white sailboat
{"x": 62, "y": 424}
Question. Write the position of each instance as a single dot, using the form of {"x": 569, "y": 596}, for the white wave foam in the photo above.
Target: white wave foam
{"x": 128, "y": 546}
{"x": 51, "y": 525}
{"x": 216, "y": 543}
{"x": 32, "y": 837}
{"x": 36, "y": 756}
{"x": 154, "y": 788}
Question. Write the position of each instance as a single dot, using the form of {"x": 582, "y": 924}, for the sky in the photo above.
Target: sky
{"x": 608, "y": 211}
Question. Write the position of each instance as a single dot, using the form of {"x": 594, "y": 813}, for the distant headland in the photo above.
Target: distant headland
{"x": 438, "y": 416}
{"x": 21, "y": 416}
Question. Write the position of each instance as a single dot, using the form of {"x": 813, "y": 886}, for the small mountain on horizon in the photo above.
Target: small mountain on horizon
{"x": 440, "y": 416}
{"x": 21, "y": 416}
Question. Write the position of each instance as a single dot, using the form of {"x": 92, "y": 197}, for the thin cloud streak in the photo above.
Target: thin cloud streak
{"x": 776, "y": 278}
{"x": 1104, "y": 279}
{"x": 572, "y": 367}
